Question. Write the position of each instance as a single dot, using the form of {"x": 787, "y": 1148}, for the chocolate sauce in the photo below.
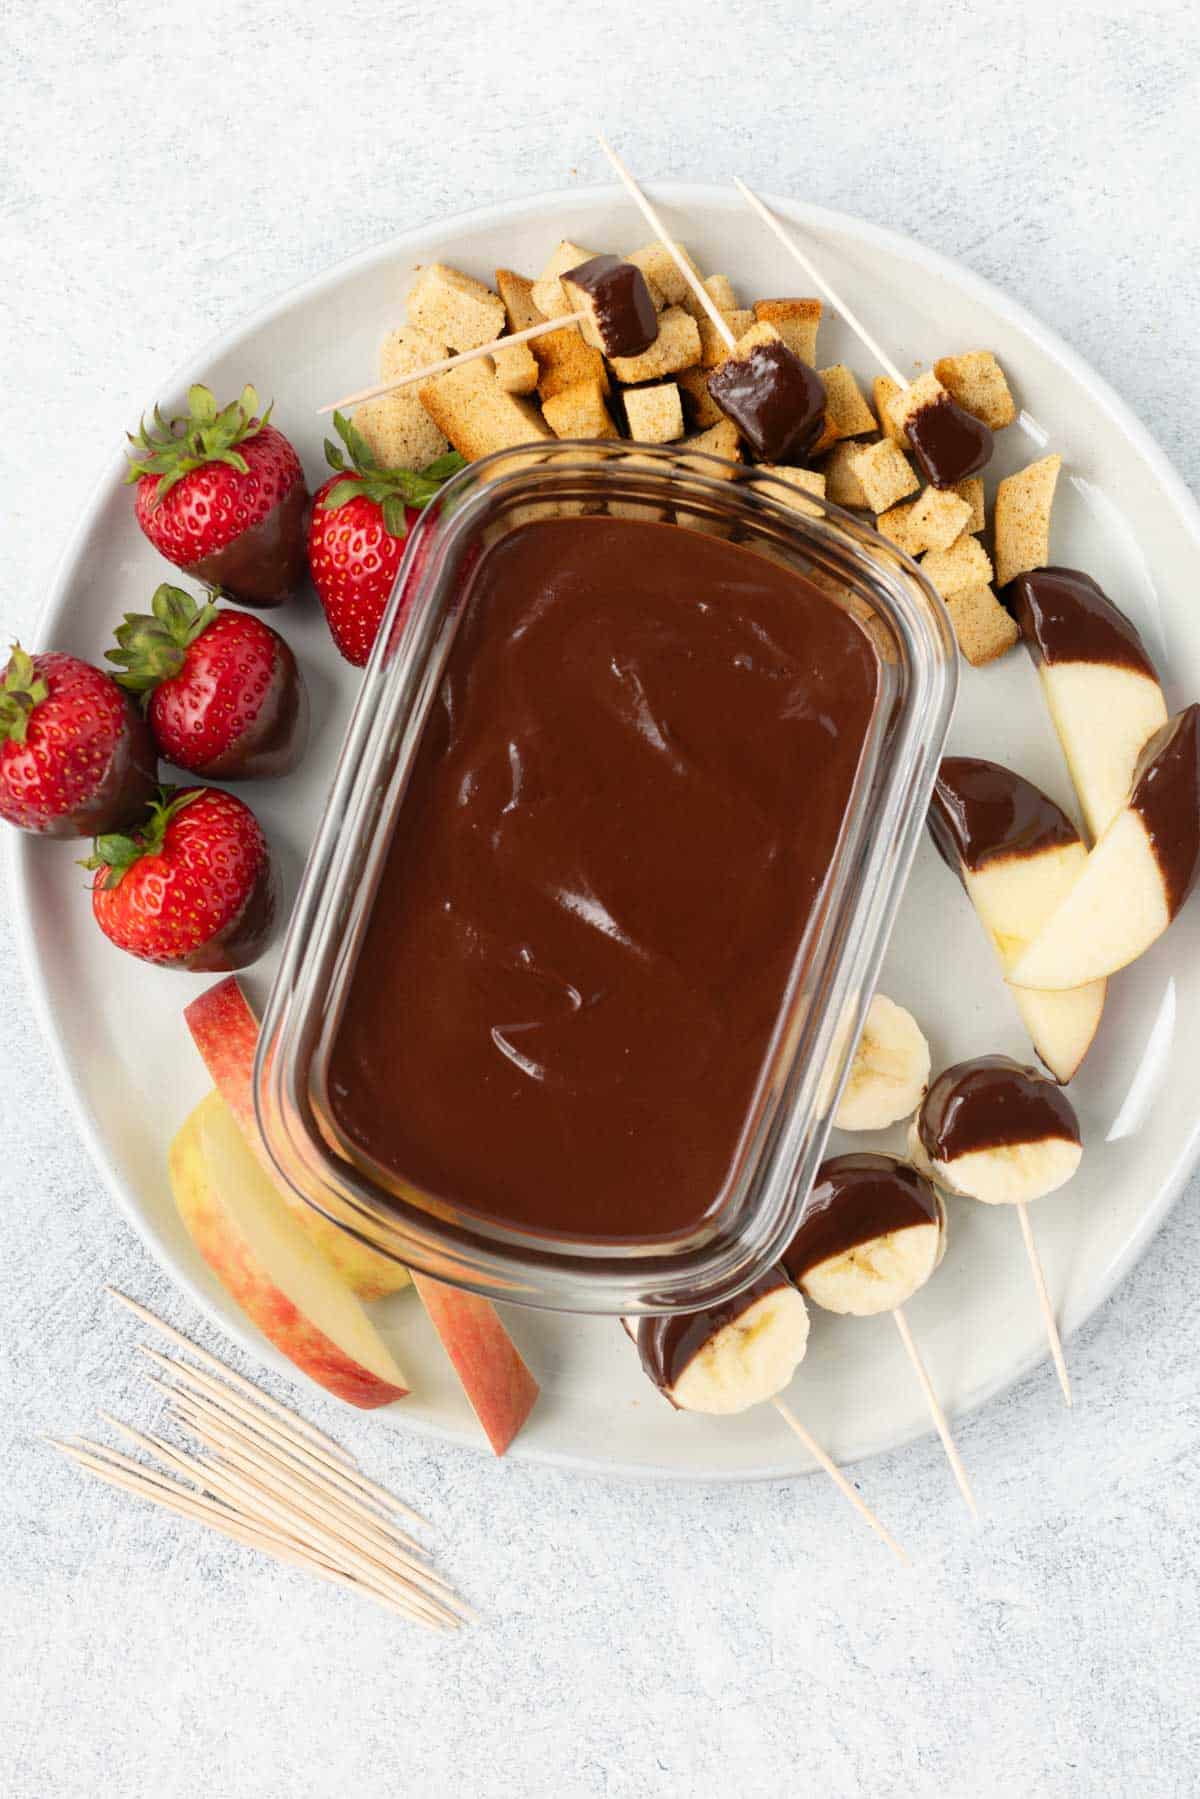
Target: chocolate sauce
{"x": 620, "y": 818}
{"x": 1066, "y": 617}
{"x": 624, "y": 321}
{"x": 274, "y": 743}
{"x": 981, "y": 811}
{"x": 948, "y": 443}
{"x": 992, "y": 1101}
{"x": 667, "y": 1345}
{"x": 854, "y": 1199}
{"x": 776, "y": 401}
{"x": 266, "y": 564}
{"x": 1166, "y": 792}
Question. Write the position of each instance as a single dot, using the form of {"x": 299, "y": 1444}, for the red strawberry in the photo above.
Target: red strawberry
{"x": 222, "y": 496}
{"x": 195, "y": 887}
{"x": 360, "y": 519}
{"x": 222, "y": 690}
{"x": 76, "y": 756}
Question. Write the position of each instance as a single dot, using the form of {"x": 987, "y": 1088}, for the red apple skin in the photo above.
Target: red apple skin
{"x": 494, "y": 1377}
{"x": 251, "y": 1287}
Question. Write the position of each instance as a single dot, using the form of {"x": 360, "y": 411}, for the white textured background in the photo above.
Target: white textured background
{"x": 165, "y": 170}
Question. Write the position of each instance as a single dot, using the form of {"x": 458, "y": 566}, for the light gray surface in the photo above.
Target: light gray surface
{"x": 160, "y": 180}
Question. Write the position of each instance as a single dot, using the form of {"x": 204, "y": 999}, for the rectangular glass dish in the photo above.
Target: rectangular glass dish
{"x": 830, "y": 979}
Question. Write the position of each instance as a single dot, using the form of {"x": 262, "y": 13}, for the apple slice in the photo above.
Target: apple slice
{"x": 494, "y": 1378}
{"x": 1018, "y": 855}
{"x": 254, "y": 1245}
{"x": 225, "y": 1031}
{"x": 1137, "y": 877}
{"x": 1100, "y": 686}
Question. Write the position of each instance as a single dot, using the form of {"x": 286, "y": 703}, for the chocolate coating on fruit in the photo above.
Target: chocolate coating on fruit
{"x": 854, "y": 1199}
{"x": 989, "y": 1102}
{"x": 948, "y": 443}
{"x": 776, "y": 401}
{"x": 1065, "y": 616}
{"x": 666, "y": 1345}
{"x": 266, "y": 564}
{"x": 76, "y": 756}
{"x": 1166, "y": 794}
{"x": 623, "y": 318}
{"x": 981, "y": 811}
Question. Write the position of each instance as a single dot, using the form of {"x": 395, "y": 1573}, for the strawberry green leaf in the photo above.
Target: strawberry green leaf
{"x": 172, "y": 448}
{"x": 21, "y": 690}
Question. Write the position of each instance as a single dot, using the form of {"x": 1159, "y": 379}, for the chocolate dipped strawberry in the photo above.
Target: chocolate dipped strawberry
{"x": 76, "y": 756}
{"x": 360, "y": 520}
{"x": 222, "y": 692}
{"x": 194, "y": 887}
{"x": 221, "y": 494}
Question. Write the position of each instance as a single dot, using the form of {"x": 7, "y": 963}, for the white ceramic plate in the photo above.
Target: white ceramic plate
{"x": 1122, "y": 514}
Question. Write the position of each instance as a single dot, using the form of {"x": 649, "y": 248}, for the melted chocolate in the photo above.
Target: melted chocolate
{"x": 275, "y": 742}
{"x": 992, "y": 1101}
{"x": 266, "y": 564}
{"x": 667, "y": 1345}
{"x": 948, "y": 443}
{"x": 776, "y": 401}
{"x": 1065, "y": 617}
{"x": 619, "y": 821}
{"x": 854, "y": 1199}
{"x": 981, "y": 811}
{"x": 1166, "y": 792}
{"x": 244, "y": 938}
{"x": 623, "y": 317}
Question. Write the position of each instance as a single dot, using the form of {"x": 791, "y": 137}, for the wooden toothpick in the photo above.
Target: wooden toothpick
{"x": 936, "y": 1412}
{"x": 452, "y": 362}
{"x": 1039, "y": 1281}
{"x": 838, "y": 1478}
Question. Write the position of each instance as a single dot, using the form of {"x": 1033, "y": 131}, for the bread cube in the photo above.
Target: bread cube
{"x": 842, "y": 484}
{"x": 713, "y": 346}
{"x": 579, "y": 411}
{"x": 564, "y": 360}
{"x": 676, "y": 347}
{"x": 938, "y": 518}
{"x": 454, "y": 308}
{"x": 885, "y": 392}
{"x": 651, "y": 510}
{"x": 469, "y": 406}
{"x": 964, "y": 565}
{"x": 848, "y": 412}
{"x": 516, "y": 369}
{"x": 722, "y": 441}
{"x": 1021, "y": 518}
{"x": 619, "y": 314}
{"x": 971, "y": 490}
{"x": 982, "y": 626}
{"x": 796, "y": 322}
{"x": 548, "y": 295}
{"x": 977, "y": 382}
{"x": 397, "y": 426}
{"x": 700, "y": 410}
{"x": 893, "y": 524}
{"x": 884, "y": 473}
{"x": 516, "y": 291}
{"x": 654, "y": 414}
{"x": 658, "y": 266}
{"x": 801, "y": 481}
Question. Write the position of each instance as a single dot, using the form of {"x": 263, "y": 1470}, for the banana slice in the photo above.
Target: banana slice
{"x": 890, "y": 1070}
{"x": 994, "y": 1130}
{"x": 731, "y": 1356}
{"x": 873, "y": 1232}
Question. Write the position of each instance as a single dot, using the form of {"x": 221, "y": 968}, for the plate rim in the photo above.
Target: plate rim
{"x": 708, "y": 197}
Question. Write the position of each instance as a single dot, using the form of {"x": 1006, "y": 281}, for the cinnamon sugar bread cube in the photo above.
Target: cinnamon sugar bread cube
{"x": 579, "y": 411}
{"x": 884, "y": 473}
{"x": 893, "y": 524}
{"x": 713, "y": 347}
{"x": 676, "y": 347}
{"x": 796, "y": 322}
{"x": 454, "y": 308}
{"x": 564, "y": 360}
{"x": 699, "y": 408}
{"x": 982, "y": 626}
{"x": 469, "y": 406}
{"x": 885, "y": 392}
{"x": 654, "y": 414}
{"x": 848, "y": 412}
{"x": 971, "y": 490}
{"x": 658, "y": 266}
{"x": 1021, "y": 518}
{"x": 397, "y": 426}
{"x": 842, "y": 484}
{"x": 963, "y": 566}
{"x": 516, "y": 369}
{"x": 977, "y": 382}
{"x": 938, "y": 517}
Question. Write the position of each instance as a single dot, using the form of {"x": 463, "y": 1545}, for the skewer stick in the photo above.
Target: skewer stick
{"x": 651, "y": 215}
{"x": 936, "y": 1412}
{"x": 835, "y": 299}
{"x": 452, "y": 362}
{"x": 838, "y": 1478}
{"x": 1039, "y": 1281}
{"x": 295, "y": 1423}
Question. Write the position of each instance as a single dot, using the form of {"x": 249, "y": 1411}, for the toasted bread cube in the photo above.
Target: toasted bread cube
{"x": 548, "y": 295}
{"x": 722, "y": 441}
{"x": 971, "y": 490}
{"x": 775, "y": 399}
{"x": 982, "y": 626}
{"x": 618, "y": 312}
{"x": 842, "y": 484}
{"x": 938, "y": 518}
{"x": 964, "y": 565}
{"x": 654, "y": 414}
{"x": 676, "y": 347}
{"x": 644, "y": 509}
{"x": 893, "y": 525}
{"x": 699, "y": 408}
{"x": 658, "y": 266}
{"x": 473, "y": 410}
{"x": 516, "y": 291}
{"x": 977, "y": 382}
{"x": 885, "y": 392}
{"x": 564, "y": 360}
{"x": 802, "y": 481}
{"x": 397, "y": 426}
{"x": 1021, "y": 518}
{"x": 847, "y": 411}
{"x": 713, "y": 347}
{"x": 884, "y": 473}
{"x": 926, "y": 390}
{"x": 455, "y": 309}
{"x": 579, "y": 411}
{"x": 796, "y": 322}
{"x": 516, "y": 369}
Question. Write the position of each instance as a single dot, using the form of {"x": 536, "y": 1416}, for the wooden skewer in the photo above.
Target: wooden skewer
{"x": 651, "y": 215}
{"x": 1039, "y": 1281}
{"x": 294, "y": 1422}
{"x": 838, "y": 1478}
{"x": 835, "y": 299}
{"x": 935, "y": 1408}
{"x": 452, "y": 362}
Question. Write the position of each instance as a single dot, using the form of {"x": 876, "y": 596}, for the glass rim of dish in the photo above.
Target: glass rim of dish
{"x": 835, "y": 969}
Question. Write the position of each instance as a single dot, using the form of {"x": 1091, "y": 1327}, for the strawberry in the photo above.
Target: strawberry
{"x": 221, "y": 690}
{"x": 222, "y": 496}
{"x": 360, "y": 519}
{"x": 194, "y": 887}
{"x": 76, "y": 756}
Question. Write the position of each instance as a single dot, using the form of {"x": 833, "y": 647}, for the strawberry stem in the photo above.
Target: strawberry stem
{"x": 21, "y": 691}
{"x": 151, "y": 647}
{"x": 201, "y": 435}
{"x": 392, "y": 490}
{"x": 117, "y": 853}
